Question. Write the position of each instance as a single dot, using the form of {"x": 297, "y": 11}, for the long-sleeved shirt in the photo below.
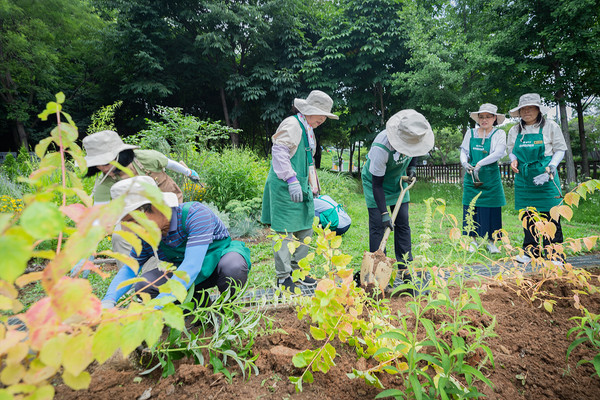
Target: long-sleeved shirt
{"x": 497, "y": 147}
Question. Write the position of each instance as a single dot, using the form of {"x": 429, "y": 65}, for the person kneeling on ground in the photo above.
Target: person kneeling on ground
{"x": 194, "y": 239}
{"x": 331, "y": 213}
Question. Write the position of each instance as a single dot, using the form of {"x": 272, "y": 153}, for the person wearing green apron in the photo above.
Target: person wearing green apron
{"x": 407, "y": 134}
{"x": 536, "y": 147}
{"x": 194, "y": 239}
{"x": 105, "y": 146}
{"x": 292, "y": 183}
{"x": 480, "y": 151}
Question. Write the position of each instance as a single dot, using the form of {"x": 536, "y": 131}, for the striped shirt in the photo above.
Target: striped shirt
{"x": 202, "y": 227}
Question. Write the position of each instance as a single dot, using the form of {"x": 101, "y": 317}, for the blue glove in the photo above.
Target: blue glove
{"x": 295, "y": 191}
{"x": 194, "y": 176}
{"x": 386, "y": 221}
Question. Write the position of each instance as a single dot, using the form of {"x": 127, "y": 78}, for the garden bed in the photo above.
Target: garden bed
{"x": 529, "y": 354}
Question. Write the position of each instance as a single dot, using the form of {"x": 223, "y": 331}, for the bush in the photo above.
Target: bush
{"x": 336, "y": 185}
{"x": 234, "y": 174}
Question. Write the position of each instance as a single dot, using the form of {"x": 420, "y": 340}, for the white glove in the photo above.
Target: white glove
{"x": 468, "y": 167}
{"x": 541, "y": 178}
{"x": 295, "y": 192}
{"x": 476, "y": 169}
{"x": 106, "y": 304}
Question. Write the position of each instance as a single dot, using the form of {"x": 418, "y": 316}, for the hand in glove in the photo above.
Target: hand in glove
{"x": 106, "y": 304}
{"x": 194, "y": 176}
{"x": 541, "y": 178}
{"x": 386, "y": 221}
{"x": 468, "y": 167}
{"x": 551, "y": 169}
{"x": 476, "y": 172}
{"x": 412, "y": 173}
{"x": 295, "y": 191}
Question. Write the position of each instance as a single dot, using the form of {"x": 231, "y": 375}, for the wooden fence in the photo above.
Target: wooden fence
{"x": 453, "y": 173}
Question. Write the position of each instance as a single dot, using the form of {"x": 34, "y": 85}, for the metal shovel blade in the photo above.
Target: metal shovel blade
{"x": 476, "y": 182}
{"x": 376, "y": 270}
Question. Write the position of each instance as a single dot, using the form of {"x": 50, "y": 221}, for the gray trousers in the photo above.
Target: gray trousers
{"x": 285, "y": 262}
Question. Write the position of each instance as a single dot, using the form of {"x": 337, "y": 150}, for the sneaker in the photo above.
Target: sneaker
{"x": 288, "y": 284}
{"x": 307, "y": 281}
{"x": 492, "y": 248}
{"x": 522, "y": 259}
{"x": 473, "y": 247}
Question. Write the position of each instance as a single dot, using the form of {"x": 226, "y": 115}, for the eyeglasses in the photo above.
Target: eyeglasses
{"x": 487, "y": 117}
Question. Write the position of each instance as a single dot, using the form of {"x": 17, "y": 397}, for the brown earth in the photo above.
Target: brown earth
{"x": 529, "y": 355}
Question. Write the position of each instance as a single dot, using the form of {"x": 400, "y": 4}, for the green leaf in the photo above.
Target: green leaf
{"x": 317, "y": 333}
{"x": 53, "y": 350}
{"x": 390, "y": 393}
{"x": 416, "y": 386}
{"x": 45, "y": 392}
{"x": 15, "y": 254}
{"x": 173, "y": 316}
{"x": 106, "y": 341}
{"x": 81, "y": 346}
{"x": 42, "y": 220}
{"x": 175, "y": 288}
{"x": 153, "y": 326}
{"x": 301, "y": 360}
{"x": 132, "y": 334}
{"x": 81, "y": 381}
{"x": 60, "y": 97}
{"x": 341, "y": 260}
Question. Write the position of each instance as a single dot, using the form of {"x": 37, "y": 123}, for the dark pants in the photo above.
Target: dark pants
{"x": 531, "y": 241}
{"x": 402, "y": 244}
{"x": 486, "y": 221}
{"x": 231, "y": 268}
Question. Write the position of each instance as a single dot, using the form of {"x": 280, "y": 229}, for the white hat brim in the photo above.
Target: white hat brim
{"x": 169, "y": 198}
{"x": 306, "y": 109}
{"x": 411, "y": 149}
{"x": 515, "y": 111}
{"x": 499, "y": 117}
{"x": 110, "y": 155}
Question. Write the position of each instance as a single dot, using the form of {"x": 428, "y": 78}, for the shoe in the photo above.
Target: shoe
{"x": 307, "y": 281}
{"x": 558, "y": 263}
{"x": 522, "y": 259}
{"x": 288, "y": 284}
{"x": 492, "y": 248}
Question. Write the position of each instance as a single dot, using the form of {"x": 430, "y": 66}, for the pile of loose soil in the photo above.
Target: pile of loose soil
{"x": 529, "y": 353}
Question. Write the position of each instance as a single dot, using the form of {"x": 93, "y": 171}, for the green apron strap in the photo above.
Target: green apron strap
{"x": 305, "y": 140}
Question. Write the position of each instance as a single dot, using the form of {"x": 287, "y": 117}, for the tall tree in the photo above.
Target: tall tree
{"x": 43, "y": 50}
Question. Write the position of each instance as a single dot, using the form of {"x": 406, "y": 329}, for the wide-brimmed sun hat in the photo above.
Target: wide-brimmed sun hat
{"x": 529, "y": 99}
{"x": 317, "y": 103}
{"x": 136, "y": 192}
{"x": 103, "y": 147}
{"x": 409, "y": 133}
{"x": 490, "y": 109}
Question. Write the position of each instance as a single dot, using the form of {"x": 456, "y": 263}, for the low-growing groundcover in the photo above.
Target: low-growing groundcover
{"x": 529, "y": 354}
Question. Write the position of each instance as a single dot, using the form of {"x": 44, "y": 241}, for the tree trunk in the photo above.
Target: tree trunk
{"x": 22, "y": 134}
{"x": 564, "y": 124}
{"x": 585, "y": 167}
{"x": 350, "y": 162}
{"x": 235, "y": 138}
{"x": 224, "y": 104}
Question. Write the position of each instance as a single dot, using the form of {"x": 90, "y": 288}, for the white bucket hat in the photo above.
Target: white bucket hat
{"x": 317, "y": 103}
{"x": 103, "y": 147}
{"x": 409, "y": 133}
{"x": 529, "y": 99}
{"x": 490, "y": 109}
{"x": 136, "y": 191}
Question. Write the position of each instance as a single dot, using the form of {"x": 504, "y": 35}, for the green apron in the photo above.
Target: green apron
{"x": 278, "y": 210}
{"x": 529, "y": 150}
{"x": 216, "y": 250}
{"x": 492, "y": 192}
{"x": 394, "y": 170}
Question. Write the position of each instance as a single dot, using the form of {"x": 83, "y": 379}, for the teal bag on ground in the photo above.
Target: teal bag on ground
{"x": 330, "y": 217}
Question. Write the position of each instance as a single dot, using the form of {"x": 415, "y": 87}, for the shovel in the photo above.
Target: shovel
{"x": 376, "y": 268}
{"x": 476, "y": 182}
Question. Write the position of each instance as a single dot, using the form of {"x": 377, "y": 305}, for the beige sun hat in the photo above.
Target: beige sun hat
{"x": 490, "y": 109}
{"x": 103, "y": 147}
{"x": 409, "y": 133}
{"x": 529, "y": 99}
{"x": 317, "y": 103}
{"x": 135, "y": 191}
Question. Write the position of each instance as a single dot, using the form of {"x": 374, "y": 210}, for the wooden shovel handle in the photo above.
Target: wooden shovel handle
{"x": 386, "y": 234}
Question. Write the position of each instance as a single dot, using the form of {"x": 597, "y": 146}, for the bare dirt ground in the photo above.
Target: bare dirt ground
{"x": 529, "y": 355}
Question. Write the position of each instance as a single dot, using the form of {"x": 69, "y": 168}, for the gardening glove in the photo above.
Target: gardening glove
{"x": 551, "y": 170}
{"x": 412, "y": 173}
{"x": 106, "y": 304}
{"x": 194, "y": 176}
{"x": 476, "y": 172}
{"x": 386, "y": 221}
{"x": 295, "y": 191}
{"x": 541, "y": 178}
{"x": 468, "y": 167}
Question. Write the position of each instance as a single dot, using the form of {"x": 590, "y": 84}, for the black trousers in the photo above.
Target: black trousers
{"x": 531, "y": 240}
{"x": 231, "y": 268}
{"x": 402, "y": 239}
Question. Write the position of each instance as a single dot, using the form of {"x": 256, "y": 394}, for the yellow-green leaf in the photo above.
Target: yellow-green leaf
{"x": 12, "y": 373}
{"x": 81, "y": 381}
{"x": 341, "y": 260}
{"x": 173, "y": 316}
{"x": 548, "y": 306}
{"x": 15, "y": 254}
{"x": 42, "y": 220}
{"x": 153, "y": 326}
{"x": 336, "y": 242}
{"x": 45, "y": 392}
{"x": 53, "y": 350}
{"x": 81, "y": 346}
{"x": 317, "y": 333}
{"x": 106, "y": 341}
{"x": 132, "y": 335}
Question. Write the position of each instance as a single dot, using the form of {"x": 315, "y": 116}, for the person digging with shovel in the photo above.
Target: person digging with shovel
{"x": 407, "y": 135}
{"x": 536, "y": 146}
{"x": 480, "y": 151}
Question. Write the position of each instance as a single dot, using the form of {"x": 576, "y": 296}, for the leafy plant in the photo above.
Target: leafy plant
{"x": 588, "y": 331}
{"x": 104, "y": 118}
